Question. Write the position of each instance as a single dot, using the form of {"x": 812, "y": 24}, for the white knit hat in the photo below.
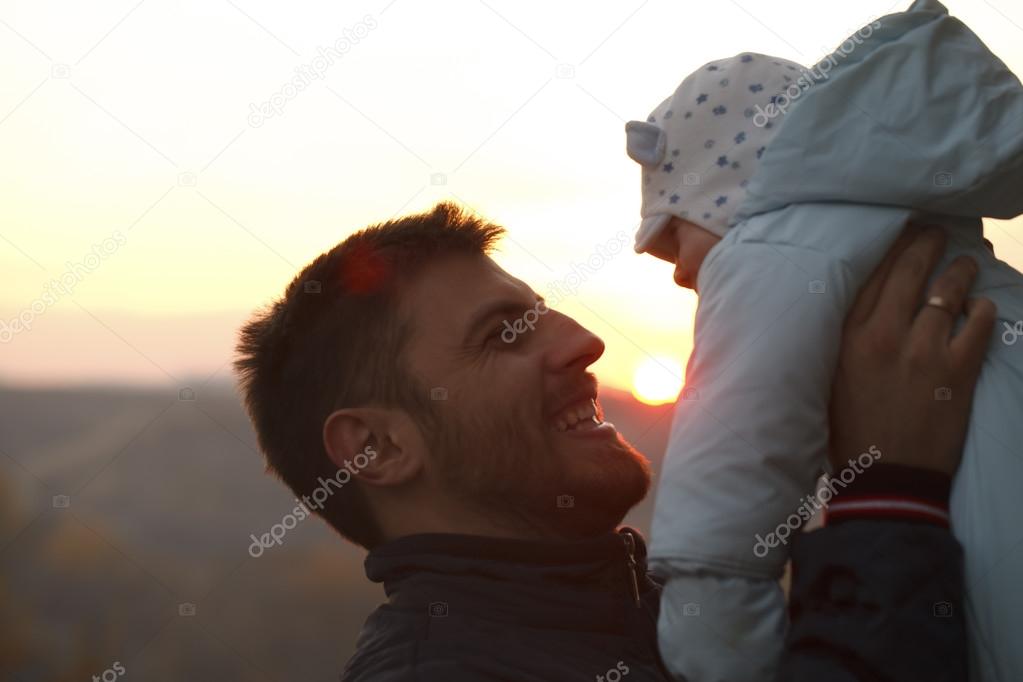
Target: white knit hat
{"x": 699, "y": 148}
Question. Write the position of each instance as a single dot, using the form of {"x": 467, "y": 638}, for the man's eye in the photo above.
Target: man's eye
{"x": 501, "y": 335}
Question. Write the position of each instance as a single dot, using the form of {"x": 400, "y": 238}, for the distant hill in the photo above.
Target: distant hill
{"x": 162, "y": 495}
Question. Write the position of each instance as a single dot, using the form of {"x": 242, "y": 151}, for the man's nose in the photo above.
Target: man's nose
{"x": 570, "y": 345}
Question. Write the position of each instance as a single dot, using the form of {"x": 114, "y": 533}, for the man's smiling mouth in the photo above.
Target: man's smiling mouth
{"x": 581, "y": 415}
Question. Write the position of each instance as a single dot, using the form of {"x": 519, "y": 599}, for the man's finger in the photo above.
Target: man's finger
{"x": 866, "y": 300}
{"x": 945, "y": 299}
{"x": 901, "y": 292}
{"x": 969, "y": 346}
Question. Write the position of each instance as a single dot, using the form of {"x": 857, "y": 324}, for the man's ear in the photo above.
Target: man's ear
{"x": 392, "y": 450}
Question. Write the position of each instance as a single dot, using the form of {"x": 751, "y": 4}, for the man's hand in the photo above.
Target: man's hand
{"x": 904, "y": 382}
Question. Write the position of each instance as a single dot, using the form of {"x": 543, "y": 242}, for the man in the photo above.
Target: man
{"x": 488, "y": 488}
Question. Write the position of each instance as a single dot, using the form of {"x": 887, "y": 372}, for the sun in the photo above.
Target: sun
{"x": 657, "y": 380}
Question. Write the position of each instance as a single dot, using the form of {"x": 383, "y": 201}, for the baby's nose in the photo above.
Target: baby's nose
{"x": 679, "y": 275}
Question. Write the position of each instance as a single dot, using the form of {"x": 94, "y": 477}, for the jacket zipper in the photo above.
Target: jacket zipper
{"x": 630, "y": 563}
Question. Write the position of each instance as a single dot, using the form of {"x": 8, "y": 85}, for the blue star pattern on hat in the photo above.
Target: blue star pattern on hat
{"x": 715, "y": 145}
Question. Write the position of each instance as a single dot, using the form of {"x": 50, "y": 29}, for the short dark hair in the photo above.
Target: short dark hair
{"x": 335, "y": 340}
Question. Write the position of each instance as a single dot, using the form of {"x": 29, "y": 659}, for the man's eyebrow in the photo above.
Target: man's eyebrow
{"x": 506, "y": 307}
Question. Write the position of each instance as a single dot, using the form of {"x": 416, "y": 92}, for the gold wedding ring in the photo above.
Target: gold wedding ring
{"x": 939, "y": 302}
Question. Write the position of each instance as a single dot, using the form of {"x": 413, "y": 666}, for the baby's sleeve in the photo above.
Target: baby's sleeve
{"x": 749, "y": 436}
{"x": 750, "y": 431}
{"x": 716, "y": 628}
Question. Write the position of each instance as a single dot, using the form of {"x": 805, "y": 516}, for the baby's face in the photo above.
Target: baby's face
{"x": 686, "y": 245}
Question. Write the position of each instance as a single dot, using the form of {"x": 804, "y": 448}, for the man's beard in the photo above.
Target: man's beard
{"x": 514, "y": 476}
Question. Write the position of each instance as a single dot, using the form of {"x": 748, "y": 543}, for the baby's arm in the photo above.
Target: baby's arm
{"x": 749, "y": 438}
{"x": 750, "y": 430}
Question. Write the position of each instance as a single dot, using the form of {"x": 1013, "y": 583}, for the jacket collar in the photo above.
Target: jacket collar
{"x": 515, "y": 579}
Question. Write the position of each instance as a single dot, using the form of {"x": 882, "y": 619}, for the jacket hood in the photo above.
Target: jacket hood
{"x": 912, "y": 111}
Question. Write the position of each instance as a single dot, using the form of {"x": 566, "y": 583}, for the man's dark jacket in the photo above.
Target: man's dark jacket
{"x": 867, "y": 603}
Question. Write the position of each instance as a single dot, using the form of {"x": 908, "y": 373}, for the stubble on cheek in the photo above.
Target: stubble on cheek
{"x": 509, "y": 468}
{"x": 494, "y": 455}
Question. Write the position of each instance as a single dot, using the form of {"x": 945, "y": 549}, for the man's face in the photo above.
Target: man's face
{"x": 521, "y": 436}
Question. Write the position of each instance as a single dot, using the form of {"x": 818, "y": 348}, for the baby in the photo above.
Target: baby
{"x": 776, "y": 190}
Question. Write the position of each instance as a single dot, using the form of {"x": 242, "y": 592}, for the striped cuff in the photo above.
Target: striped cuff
{"x": 894, "y": 492}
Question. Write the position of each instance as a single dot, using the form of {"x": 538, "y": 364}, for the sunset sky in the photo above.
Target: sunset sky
{"x": 133, "y": 122}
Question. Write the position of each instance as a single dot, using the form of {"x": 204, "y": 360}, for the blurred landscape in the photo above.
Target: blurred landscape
{"x": 125, "y": 517}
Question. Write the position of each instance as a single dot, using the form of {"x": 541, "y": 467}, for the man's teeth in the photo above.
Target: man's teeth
{"x": 581, "y": 414}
